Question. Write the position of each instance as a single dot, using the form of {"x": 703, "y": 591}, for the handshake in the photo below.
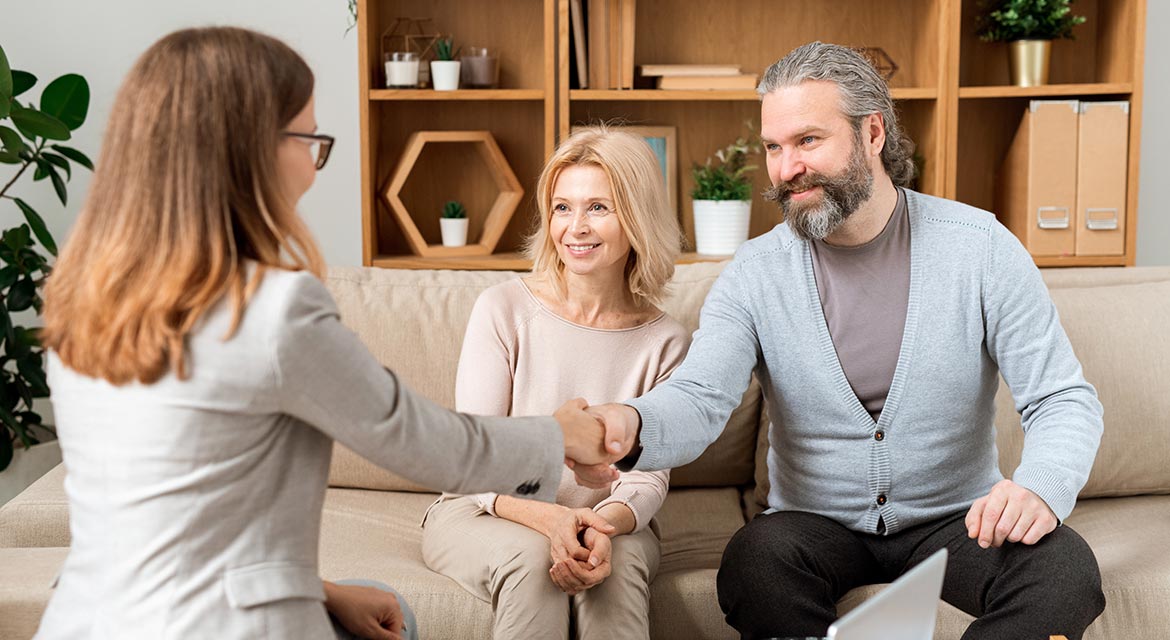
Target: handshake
{"x": 596, "y": 437}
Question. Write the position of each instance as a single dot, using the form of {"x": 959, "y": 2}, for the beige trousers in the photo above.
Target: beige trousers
{"x": 507, "y": 564}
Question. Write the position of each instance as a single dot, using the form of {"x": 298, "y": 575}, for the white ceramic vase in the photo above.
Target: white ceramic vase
{"x": 454, "y": 231}
{"x": 721, "y": 225}
{"x": 445, "y": 75}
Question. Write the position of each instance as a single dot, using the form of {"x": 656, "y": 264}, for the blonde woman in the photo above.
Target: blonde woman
{"x": 584, "y": 323}
{"x": 200, "y": 373}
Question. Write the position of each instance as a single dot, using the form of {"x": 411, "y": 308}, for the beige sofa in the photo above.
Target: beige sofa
{"x": 1119, "y": 322}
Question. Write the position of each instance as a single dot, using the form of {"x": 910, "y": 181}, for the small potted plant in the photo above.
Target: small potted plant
{"x": 1029, "y": 26}
{"x": 722, "y": 198}
{"x": 445, "y": 68}
{"x": 453, "y": 224}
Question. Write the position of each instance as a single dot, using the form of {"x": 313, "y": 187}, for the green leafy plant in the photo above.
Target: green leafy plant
{"x": 726, "y": 175}
{"x": 454, "y": 209}
{"x": 352, "y": 6}
{"x": 445, "y": 49}
{"x": 1009, "y": 20}
{"x": 31, "y": 142}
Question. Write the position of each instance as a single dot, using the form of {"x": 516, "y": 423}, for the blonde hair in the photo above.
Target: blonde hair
{"x": 186, "y": 193}
{"x": 643, "y": 209}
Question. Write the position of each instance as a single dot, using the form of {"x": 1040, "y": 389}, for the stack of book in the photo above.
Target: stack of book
{"x": 699, "y": 76}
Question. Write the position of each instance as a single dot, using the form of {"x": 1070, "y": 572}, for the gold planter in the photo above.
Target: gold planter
{"x": 1029, "y": 60}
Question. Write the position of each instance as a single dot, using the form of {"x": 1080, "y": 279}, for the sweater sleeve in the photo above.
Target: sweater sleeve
{"x": 1061, "y": 416}
{"x": 684, "y": 415}
{"x": 483, "y": 380}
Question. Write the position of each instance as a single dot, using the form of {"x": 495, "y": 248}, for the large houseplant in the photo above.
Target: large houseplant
{"x": 1029, "y": 26}
{"x": 722, "y": 198}
{"x": 30, "y": 138}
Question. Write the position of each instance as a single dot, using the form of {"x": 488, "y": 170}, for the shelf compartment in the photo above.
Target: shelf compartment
{"x": 1048, "y": 90}
{"x": 514, "y": 95}
{"x": 732, "y": 95}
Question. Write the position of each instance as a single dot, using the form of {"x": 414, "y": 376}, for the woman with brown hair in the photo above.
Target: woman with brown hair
{"x": 585, "y": 322}
{"x": 200, "y": 372}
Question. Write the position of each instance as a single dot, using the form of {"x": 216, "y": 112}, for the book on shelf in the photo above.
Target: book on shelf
{"x": 578, "y": 38}
{"x": 626, "y": 61}
{"x": 678, "y": 70}
{"x": 741, "y": 81}
{"x": 597, "y": 12}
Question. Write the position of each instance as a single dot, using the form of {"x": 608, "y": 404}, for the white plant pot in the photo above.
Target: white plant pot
{"x": 454, "y": 231}
{"x": 721, "y": 225}
{"x": 445, "y": 75}
{"x": 27, "y": 467}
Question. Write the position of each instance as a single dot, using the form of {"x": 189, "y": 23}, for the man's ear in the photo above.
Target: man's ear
{"x": 874, "y": 131}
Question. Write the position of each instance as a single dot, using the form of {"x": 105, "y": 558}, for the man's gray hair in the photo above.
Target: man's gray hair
{"x": 863, "y": 92}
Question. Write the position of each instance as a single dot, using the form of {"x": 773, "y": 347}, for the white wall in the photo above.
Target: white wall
{"x": 1153, "y": 245}
{"x": 100, "y": 39}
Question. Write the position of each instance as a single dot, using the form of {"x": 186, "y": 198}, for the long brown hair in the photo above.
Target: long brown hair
{"x": 186, "y": 194}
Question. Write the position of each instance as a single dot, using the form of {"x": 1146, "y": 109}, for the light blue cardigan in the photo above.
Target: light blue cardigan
{"x": 977, "y": 306}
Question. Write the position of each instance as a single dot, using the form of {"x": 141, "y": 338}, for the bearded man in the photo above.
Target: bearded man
{"x": 877, "y": 320}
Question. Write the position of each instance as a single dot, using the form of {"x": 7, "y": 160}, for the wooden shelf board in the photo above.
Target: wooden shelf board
{"x": 1080, "y": 261}
{"x": 495, "y": 262}
{"x": 459, "y": 94}
{"x": 650, "y": 95}
{"x": 1046, "y": 90}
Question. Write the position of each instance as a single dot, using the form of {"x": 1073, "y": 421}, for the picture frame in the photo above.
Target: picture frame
{"x": 663, "y": 141}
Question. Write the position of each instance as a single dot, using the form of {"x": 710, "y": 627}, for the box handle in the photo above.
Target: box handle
{"x": 1051, "y": 221}
{"x": 1101, "y": 223}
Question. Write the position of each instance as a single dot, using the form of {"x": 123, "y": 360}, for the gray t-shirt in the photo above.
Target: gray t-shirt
{"x": 864, "y": 291}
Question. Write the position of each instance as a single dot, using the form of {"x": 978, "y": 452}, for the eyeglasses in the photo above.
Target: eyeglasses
{"x": 319, "y": 145}
{"x": 595, "y": 211}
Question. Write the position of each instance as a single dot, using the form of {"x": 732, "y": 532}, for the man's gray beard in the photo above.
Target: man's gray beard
{"x": 841, "y": 196}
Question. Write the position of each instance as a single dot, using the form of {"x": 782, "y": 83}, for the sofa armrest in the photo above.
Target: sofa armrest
{"x": 39, "y": 516}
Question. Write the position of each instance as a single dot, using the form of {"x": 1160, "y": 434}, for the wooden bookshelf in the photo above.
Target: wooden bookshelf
{"x": 951, "y": 91}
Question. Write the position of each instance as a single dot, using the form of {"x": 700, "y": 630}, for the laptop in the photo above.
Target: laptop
{"x": 905, "y": 610}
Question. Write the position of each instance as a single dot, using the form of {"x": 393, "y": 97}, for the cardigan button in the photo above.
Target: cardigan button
{"x": 879, "y": 436}
{"x": 881, "y": 499}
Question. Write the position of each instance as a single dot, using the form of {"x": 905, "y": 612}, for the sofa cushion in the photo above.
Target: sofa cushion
{"x": 26, "y": 580}
{"x": 1119, "y": 334}
{"x": 38, "y": 516}
{"x": 413, "y": 322}
{"x": 377, "y": 535}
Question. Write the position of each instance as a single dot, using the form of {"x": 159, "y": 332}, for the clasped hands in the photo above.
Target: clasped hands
{"x": 595, "y": 438}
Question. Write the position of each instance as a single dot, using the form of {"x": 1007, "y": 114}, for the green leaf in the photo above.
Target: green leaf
{"x": 5, "y": 80}
{"x": 60, "y": 162}
{"x": 11, "y": 140}
{"x": 7, "y": 279}
{"x": 22, "y": 81}
{"x": 74, "y": 155}
{"x": 20, "y": 296}
{"x": 55, "y": 177}
{"x": 9, "y": 158}
{"x": 6, "y": 451}
{"x": 35, "y": 377}
{"x": 67, "y": 99}
{"x": 38, "y": 228}
{"x": 33, "y": 123}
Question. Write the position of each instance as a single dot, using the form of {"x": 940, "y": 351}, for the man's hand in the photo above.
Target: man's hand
{"x": 365, "y": 612}
{"x": 574, "y": 576}
{"x": 1012, "y": 513}
{"x": 621, "y": 434}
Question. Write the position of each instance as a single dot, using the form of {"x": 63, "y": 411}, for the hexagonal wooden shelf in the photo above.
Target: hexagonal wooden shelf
{"x": 497, "y": 218}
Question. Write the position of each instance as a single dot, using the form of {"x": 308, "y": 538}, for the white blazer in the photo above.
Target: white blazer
{"x": 195, "y": 505}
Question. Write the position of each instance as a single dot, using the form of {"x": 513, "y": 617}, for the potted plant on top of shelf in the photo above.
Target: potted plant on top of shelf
{"x": 1029, "y": 26}
{"x": 453, "y": 224}
{"x": 445, "y": 68}
{"x": 722, "y": 198}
